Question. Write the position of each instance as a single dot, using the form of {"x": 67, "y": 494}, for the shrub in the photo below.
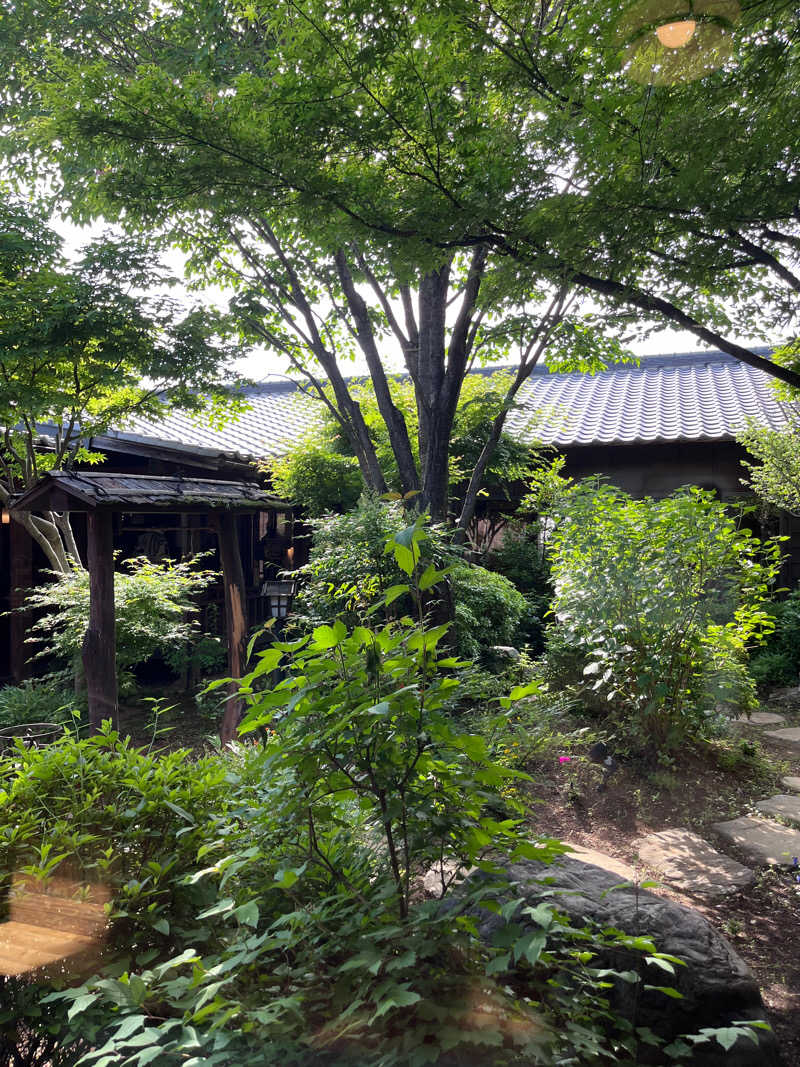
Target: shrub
{"x": 348, "y": 568}
{"x": 39, "y": 700}
{"x": 777, "y": 662}
{"x": 349, "y": 572}
{"x": 154, "y": 605}
{"x": 521, "y": 558}
{"x": 662, "y": 598}
{"x": 488, "y": 609}
{"x": 318, "y": 479}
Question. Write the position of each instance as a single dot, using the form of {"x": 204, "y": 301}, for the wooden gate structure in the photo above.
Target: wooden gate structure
{"x": 100, "y": 496}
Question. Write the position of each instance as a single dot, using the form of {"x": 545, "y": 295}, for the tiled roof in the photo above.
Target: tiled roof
{"x": 277, "y": 415}
{"x": 689, "y": 396}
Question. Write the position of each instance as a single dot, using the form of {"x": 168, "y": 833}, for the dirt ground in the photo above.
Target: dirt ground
{"x": 762, "y": 922}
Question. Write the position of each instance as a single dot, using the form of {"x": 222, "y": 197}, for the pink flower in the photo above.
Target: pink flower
{"x": 565, "y": 759}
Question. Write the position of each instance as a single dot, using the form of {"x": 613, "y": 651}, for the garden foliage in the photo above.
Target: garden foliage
{"x": 349, "y": 572}
{"x": 658, "y": 601}
{"x": 38, "y": 700}
{"x": 777, "y": 662}
{"x": 154, "y": 606}
{"x": 266, "y": 901}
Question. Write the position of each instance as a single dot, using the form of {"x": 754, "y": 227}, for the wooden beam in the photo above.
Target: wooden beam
{"x": 20, "y": 581}
{"x": 235, "y": 617}
{"x": 99, "y": 643}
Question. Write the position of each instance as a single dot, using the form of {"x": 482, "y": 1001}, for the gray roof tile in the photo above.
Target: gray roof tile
{"x": 691, "y": 396}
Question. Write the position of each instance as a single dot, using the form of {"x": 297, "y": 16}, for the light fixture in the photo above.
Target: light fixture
{"x": 665, "y": 42}
{"x": 5, "y": 518}
{"x": 676, "y": 34}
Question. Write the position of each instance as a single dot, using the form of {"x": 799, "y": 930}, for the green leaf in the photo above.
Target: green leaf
{"x": 247, "y": 913}
{"x": 80, "y": 1004}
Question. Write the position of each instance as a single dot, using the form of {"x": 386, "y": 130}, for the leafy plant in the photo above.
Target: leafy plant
{"x": 777, "y": 661}
{"x": 318, "y": 478}
{"x": 662, "y": 600}
{"x": 154, "y": 604}
{"x": 522, "y": 558}
{"x": 39, "y": 700}
{"x": 488, "y": 609}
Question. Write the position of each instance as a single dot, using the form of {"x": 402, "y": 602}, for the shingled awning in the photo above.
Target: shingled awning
{"x": 101, "y": 491}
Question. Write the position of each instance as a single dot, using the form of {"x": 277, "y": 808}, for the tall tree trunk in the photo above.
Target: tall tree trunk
{"x": 391, "y": 415}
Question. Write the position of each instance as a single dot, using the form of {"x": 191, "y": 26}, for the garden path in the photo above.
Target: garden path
{"x": 691, "y": 865}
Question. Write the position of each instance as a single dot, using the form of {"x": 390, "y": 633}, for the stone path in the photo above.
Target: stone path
{"x": 790, "y": 738}
{"x": 783, "y": 805}
{"x": 761, "y": 841}
{"x": 691, "y": 865}
{"x": 761, "y": 718}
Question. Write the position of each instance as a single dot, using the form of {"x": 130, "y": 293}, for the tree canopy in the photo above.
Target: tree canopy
{"x": 80, "y": 351}
{"x": 445, "y": 161}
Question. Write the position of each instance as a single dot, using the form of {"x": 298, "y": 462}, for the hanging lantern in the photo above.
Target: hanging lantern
{"x": 663, "y": 42}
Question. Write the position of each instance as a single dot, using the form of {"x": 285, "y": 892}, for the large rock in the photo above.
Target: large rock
{"x": 717, "y": 986}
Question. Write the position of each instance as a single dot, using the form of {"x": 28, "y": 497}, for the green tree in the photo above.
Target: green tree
{"x": 774, "y": 471}
{"x": 203, "y": 95}
{"x": 321, "y": 474}
{"x": 80, "y": 352}
{"x": 505, "y": 129}
{"x": 154, "y": 603}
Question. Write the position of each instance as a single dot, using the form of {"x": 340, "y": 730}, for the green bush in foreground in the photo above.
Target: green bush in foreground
{"x": 661, "y": 600}
{"x": 267, "y": 903}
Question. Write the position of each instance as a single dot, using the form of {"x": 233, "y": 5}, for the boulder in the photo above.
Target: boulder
{"x": 717, "y": 986}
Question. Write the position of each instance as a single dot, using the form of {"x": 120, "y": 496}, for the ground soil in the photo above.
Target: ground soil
{"x": 697, "y": 789}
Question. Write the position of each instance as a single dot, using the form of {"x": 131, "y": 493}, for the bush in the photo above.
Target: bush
{"x": 661, "y": 599}
{"x": 522, "y": 559}
{"x": 488, "y": 609}
{"x": 349, "y": 572}
{"x": 348, "y": 568}
{"x": 154, "y": 604}
{"x": 777, "y": 662}
{"x": 320, "y": 480}
{"x": 40, "y": 700}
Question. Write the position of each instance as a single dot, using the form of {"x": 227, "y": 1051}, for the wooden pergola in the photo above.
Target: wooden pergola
{"x": 100, "y": 495}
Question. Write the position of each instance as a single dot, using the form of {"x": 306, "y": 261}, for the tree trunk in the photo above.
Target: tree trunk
{"x": 99, "y": 643}
{"x": 391, "y": 415}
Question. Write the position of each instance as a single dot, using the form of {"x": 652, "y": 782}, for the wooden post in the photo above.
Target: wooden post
{"x": 100, "y": 641}
{"x": 235, "y": 617}
{"x": 20, "y": 580}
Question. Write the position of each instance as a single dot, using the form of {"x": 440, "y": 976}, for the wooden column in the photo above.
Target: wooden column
{"x": 20, "y": 581}
{"x": 99, "y": 644}
{"x": 235, "y": 617}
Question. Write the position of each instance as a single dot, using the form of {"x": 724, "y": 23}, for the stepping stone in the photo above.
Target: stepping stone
{"x": 688, "y": 863}
{"x": 760, "y": 718}
{"x": 791, "y": 782}
{"x": 761, "y": 840}
{"x": 788, "y": 807}
{"x": 790, "y": 738}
